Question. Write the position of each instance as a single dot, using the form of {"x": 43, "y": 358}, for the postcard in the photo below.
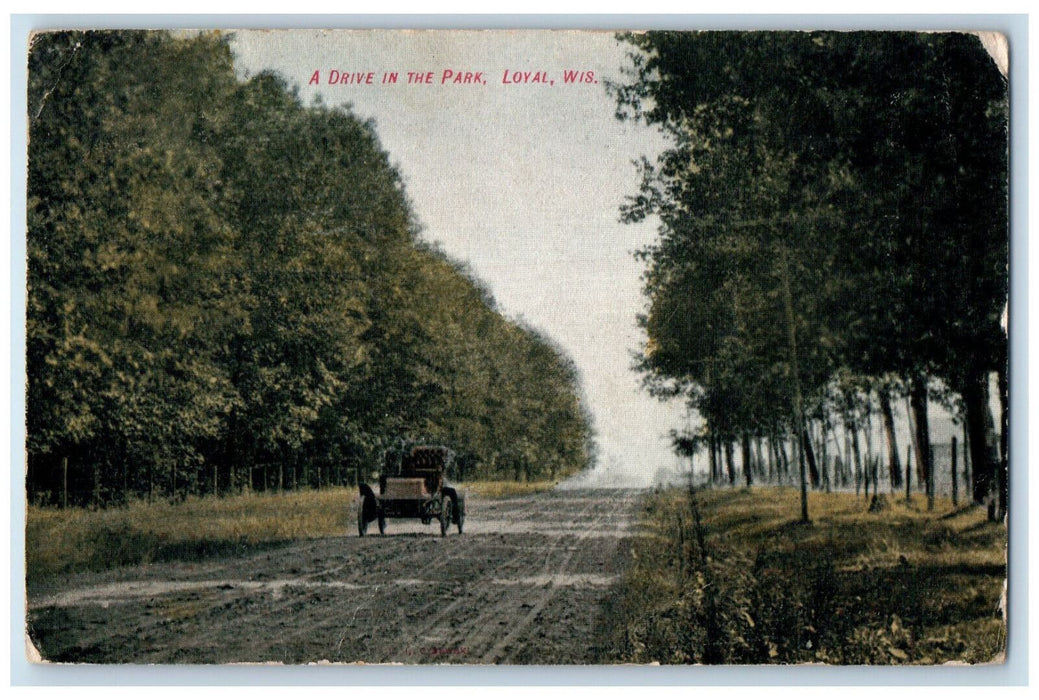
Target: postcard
{"x": 515, "y": 347}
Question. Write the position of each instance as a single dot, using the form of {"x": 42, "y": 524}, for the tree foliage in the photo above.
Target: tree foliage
{"x": 862, "y": 178}
{"x": 226, "y": 290}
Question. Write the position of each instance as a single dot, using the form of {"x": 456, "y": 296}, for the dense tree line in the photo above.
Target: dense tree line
{"x": 226, "y": 291}
{"x": 834, "y": 237}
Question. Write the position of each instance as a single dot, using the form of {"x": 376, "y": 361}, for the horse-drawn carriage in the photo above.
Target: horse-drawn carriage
{"x": 413, "y": 484}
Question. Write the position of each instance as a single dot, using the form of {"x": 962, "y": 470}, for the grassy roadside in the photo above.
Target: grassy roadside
{"x": 506, "y": 489}
{"x": 65, "y": 541}
{"x": 732, "y": 577}
{"x": 76, "y": 539}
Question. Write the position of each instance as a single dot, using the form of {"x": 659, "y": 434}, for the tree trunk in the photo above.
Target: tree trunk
{"x": 952, "y": 470}
{"x": 922, "y": 435}
{"x": 719, "y": 460}
{"x": 825, "y": 455}
{"x": 888, "y": 414}
{"x": 729, "y": 462}
{"x": 910, "y": 417}
{"x": 838, "y": 458}
{"x": 868, "y": 432}
{"x": 771, "y": 458}
{"x": 866, "y": 467}
{"x": 857, "y": 455}
{"x": 966, "y": 456}
{"x": 846, "y": 474}
{"x": 909, "y": 481}
{"x": 65, "y": 482}
{"x": 795, "y": 371}
{"x": 981, "y": 435}
{"x": 813, "y": 467}
{"x": 803, "y": 480}
{"x": 712, "y": 446}
{"x": 745, "y": 445}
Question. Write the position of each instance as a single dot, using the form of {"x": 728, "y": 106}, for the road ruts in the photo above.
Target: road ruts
{"x": 525, "y": 584}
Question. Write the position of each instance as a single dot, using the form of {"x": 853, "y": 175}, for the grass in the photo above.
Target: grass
{"x": 75, "y": 539}
{"x": 506, "y": 489}
{"x": 731, "y": 576}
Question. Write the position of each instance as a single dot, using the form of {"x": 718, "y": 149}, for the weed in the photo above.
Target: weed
{"x": 730, "y": 577}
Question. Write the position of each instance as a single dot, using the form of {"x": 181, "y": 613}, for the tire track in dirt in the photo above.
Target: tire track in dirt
{"x": 495, "y": 614}
{"x": 524, "y": 584}
{"x": 522, "y": 507}
{"x": 518, "y": 509}
{"x": 440, "y": 635}
{"x": 497, "y": 653}
{"x": 508, "y": 609}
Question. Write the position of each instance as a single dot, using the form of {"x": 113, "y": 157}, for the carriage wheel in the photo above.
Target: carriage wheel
{"x": 445, "y": 515}
{"x": 362, "y": 524}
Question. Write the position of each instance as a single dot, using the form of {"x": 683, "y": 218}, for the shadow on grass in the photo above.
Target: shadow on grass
{"x": 795, "y": 526}
{"x": 786, "y": 591}
{"x": 958, "y": 512}
{"x": 115, "y": 549}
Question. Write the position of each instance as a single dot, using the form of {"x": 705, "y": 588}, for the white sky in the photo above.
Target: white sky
{"x": 523, "y": 182}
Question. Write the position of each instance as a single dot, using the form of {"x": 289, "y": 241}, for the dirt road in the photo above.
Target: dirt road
{"x": 525, "y": 584}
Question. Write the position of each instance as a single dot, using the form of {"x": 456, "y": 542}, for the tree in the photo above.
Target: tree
{"x": 840, "y": 162}
{"x": 227, "y": 291}
{"x": 738, "y": 204}
{"x": 122, "y": 306}
{"x": 927, "y": 138}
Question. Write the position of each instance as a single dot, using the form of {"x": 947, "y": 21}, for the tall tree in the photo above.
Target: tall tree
{"x": 841, "y": 160}
{"x": 227, "y": 291}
